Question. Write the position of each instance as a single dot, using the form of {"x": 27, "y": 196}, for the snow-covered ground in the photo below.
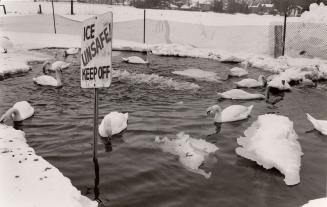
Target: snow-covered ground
{"x": 43, "y": 185}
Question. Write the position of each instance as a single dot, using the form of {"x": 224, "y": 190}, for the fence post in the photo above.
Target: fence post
{"x": 4, "y": 9}
{"x": 279, "y": 43}
{"x": 144, "y": 27}
{"x": 284, "y": 34}
{"x": 40, "y": 9}
{"x": 71, "y": 7}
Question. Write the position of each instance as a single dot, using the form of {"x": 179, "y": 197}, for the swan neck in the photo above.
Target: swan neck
{"x": 12, "y": 113}
{"x": 58, "y": 77}
{"x": 218, "y": 116}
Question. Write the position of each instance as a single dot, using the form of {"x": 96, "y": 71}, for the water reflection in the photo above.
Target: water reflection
{"x": 107, "y": 144}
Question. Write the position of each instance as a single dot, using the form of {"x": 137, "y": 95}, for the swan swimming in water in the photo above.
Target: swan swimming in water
{"x": 47, "y": 80}
{"x": 229, "y": 114}
{"x": 19, "y": 112}
{"x": 239, "y": 94}
{"x": 71, "y": 51}
{"x": 113, "y": 123}
{"x": 137, "y": 60}
{"x": 239, "y": 72}
{"x": 320, "y": 125}
{"x": 58, "y": 65}
{"x": 251, "y": 83}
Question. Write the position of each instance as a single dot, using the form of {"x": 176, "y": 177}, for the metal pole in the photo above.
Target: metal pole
{"x": 71, "y": 7}
{"x": 144, "y": 27}
{"x": 96, "y": 179}
{"x": 284, "y": 33}
{"x": 54, "y": 20}
{"x": 95, "y": 124}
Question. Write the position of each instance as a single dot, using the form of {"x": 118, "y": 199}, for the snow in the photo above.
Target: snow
{"x": 321, "y": 202}
{"x": 43, "y": 185}
{"x": 191, "y": 152}
{"x": 199, "y": 75}
{"x": 272, "y": 142}
{"x": 316, "y": 14}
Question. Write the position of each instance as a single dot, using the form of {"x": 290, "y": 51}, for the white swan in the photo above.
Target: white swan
{"x": 239, "y": 94}
{"x": 71, "y": 51}
{"x": 251, "y": 83}
{"x": 47, "y": 80}
{"x": 5, "y": 44}
{"x": 229, "y": 114}
{"x": 271, "y": 141}
{"x": 19, "y": 112}
{"x": 239, "y": 72}
{"x": 320, "y": 125}
{"x": 137, "y": 60}
{"x": 58, "y": 64}
{"x": 113, "y": 123}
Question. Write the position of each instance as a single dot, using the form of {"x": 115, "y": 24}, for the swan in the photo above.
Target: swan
{"x": 19, "y": 112}
{"x": 47, "y": 80}
{"x": 113, "y": 123}
{"x": 137, "y": 60}
{"x": 239, "y": 72}
{"x": 271, "y": 141}
{"x": 58, "y": 64}
{"x": 239, "y": 94}
{"x": 320, "y": 125}
{"x": 230, "y": 114}
{"x": 5, "y": 44}
{"x": 71, "y": 51}
{"x": 251, "y": 83}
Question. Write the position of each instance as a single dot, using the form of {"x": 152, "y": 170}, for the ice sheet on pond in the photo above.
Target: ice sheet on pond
{"x": 272, "y": 142}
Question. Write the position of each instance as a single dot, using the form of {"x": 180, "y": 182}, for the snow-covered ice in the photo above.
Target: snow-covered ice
{"x": 272, "y": 142}
{"x": 199, "y": 74}
{"x": 320, "y": 202}
{"x": 191, "y": 152}
{"x": 43, "y": 185}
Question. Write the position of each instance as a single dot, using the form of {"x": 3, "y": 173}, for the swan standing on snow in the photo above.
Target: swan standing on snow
{"x": 239, "y": 94}
{"x": 71, "y": 51}
{"x": 251, "y": 83}
{"x": 320, "y": 125}
{"x": 137, "y": 60}
{"x": 113, "y": 123}
{"x": 230, "y": 114}
{"x": 19, "y": 112}
{"x": 239, "y": 72}
{"x": 47, "y": 80}
{"x": 5, "y": 44}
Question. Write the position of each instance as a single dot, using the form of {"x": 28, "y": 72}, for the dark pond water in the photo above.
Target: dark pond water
{"x": 133, "y": 170}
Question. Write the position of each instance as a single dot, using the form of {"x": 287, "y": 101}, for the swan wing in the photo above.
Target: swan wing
{"x": 320, "y": 125}
{"x": 236, "y": 112}
{"x": 46, "y": 80}
{"x": 248, "y": 83}
{"x": 118, "y": 122}
{"x": 25, "y": 109}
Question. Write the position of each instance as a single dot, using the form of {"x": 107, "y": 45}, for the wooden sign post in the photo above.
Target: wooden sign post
{"x": 96, "y": 68}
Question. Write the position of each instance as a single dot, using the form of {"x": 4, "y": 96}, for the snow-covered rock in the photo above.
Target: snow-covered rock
{"x": 272, "y": 142}
{"x": 29, "y": 180}
{"x": 191, "y": 152}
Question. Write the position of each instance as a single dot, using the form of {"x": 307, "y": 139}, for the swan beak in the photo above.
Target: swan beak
{"x": 208, "y": 112}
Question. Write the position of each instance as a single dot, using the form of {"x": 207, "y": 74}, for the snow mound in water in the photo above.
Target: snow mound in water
{"x": 179, "y": 50}
{"x": 191, "y": 152}
{"x": 29, "y": 180}
{"x": 272, "y": 142}
{"x": 316, "y": 14}
{"x": 154, "y": 80}
{"x": 321, "y": 202}
{"x": 199, "y": 75}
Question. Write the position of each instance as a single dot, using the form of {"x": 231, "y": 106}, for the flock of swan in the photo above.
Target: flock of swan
{"x": 116, "y": 122}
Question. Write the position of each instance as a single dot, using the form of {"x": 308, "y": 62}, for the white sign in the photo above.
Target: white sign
{"x": 96, "y": 71}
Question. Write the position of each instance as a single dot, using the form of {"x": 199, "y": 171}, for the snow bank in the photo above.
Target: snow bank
{"x": 272, "y": 142}
{"x": 29, "y": 180}
{"x": 154, "y": 80}
{"x": 321, "y": 202}
{"x": 191, "y": 152}
{"x": 316, "y": 14}
{"x": 15, "y": 61}
{"x": 199, "y": 75}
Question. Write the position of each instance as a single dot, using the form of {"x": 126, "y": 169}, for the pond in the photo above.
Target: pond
{"x": 133, "y": 170}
